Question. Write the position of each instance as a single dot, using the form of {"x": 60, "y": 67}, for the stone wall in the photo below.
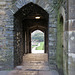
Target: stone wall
{"x": 59, "y": 51}
{"x": 71, "y": 39}
{"x": 65, "y": 40}
{"x": 6, "y": 36}
{"x": 7, "y": 30}
{"x": 18, "y": 42}
{"x": 7, "y": 9}
{"x": 69, "y": 36}
{"x": 62, "y": 37}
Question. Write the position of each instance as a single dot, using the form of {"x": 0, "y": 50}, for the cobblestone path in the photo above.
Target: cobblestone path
{"x": 34, "y": 64}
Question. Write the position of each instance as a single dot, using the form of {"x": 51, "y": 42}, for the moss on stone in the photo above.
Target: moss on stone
{"x": 59, "y": 43}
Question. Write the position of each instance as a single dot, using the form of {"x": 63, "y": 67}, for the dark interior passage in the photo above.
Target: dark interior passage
{"x": 28, "y": 19}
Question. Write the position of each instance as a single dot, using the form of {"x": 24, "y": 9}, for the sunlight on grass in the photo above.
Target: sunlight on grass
{"x": 41, "y": 47}
{"x": 33, "y": 46}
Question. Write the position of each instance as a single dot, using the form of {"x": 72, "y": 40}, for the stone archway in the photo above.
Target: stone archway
{"x": 44, "y": 30}
{"x": 8, "y": 35}
{"x": 25, "y": 22}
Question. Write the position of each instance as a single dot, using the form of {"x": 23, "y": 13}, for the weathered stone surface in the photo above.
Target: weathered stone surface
{"x": 71, "y": 41}
{"x": 71, "y": 9}
{"x": 2, "y": 12}
{"x": 7, "y": 27}
{"x": 33, "y": 65}
{"x": 2, "y": 3}
{"x": 71, "y": 24}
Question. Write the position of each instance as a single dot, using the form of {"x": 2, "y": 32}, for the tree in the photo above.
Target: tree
{"x": 38, "y": 36}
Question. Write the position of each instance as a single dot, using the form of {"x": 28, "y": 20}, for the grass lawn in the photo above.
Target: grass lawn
{"x": 33, "y": 46}
{"x": 41, "y": 47}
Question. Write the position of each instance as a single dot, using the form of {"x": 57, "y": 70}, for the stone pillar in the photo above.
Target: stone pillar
{"x": 71, "y": 39}
{"x": 52, "y": 39}
{"x": 18, "y": 42}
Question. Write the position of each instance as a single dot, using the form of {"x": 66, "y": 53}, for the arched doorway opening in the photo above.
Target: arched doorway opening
{"x": 26, "y": 20}
{"x": 37, "y": 42}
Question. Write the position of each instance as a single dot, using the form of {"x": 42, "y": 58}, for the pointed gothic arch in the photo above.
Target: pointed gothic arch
{"x": 25, "y": 22}
{"x": 11, "y": 22}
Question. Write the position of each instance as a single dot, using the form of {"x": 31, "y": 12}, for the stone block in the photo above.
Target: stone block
{"x": 9, "y": 32}
{"x": 71, "y": 2}
{"x": 71, "y": 9}
{"x": 66, "y": 26}
{"x": 71, "y": 12}
{"x": 72, "y": 41}
{"x": 2, "y": 12}
{"x": 52, "y": 72}
{"x": 52, "y": 30}
{"x": 71, "y": 25}
{"x": 2, "y": 3}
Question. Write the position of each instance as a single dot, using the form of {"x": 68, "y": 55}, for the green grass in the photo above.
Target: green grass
{"x": 41, "y": 47}
{"x": 33, "y": 46}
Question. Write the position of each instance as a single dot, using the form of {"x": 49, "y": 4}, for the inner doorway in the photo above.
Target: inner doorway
{"x": 37, "y": 42}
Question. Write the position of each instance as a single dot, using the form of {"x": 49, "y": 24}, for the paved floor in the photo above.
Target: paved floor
{"x": 34, "y": 64}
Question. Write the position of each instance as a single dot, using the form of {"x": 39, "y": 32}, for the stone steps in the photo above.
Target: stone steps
{"x": 34, "y": 64}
